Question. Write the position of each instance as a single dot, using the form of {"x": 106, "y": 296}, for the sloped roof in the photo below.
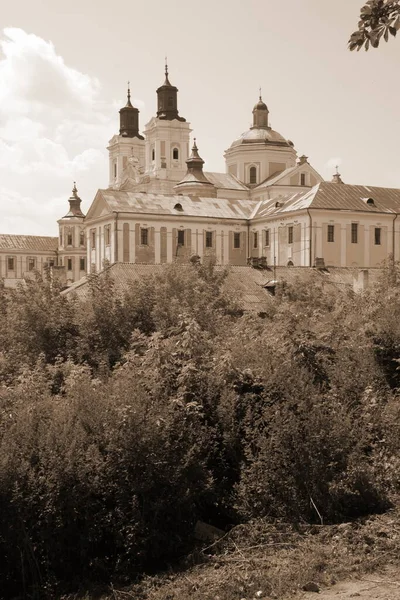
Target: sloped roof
{"x": 159, "y": 204}
{"x": 225, "y": 181}
{"x": 276, "y": 177}
{"x": 33, "y": 243}
{"x": 243, "y": 282}
{"x": 334, "y": 196}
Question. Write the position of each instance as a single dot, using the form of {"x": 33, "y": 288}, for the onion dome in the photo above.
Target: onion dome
{"x": 74, "y": 205}
{"x": 129, "y": 119}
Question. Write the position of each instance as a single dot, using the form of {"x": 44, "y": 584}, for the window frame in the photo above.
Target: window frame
{"x": 82, "y": 238}
{"x": 69, "y": 264}
{"x": 354, "y": 233}
{"x": 93, "y": 239}
{"x": 175, "y": 151}
{"x": 330, "y": 237}
{"x": 180, "y": 234}
{"x": 290, "y": 234}
{"x": 31, "y": 260}
{"x": 255, "y": 240}
{"x": 107, "y": 235}
{"x": 302, "y": 179}
{"x": 378, "y": 236}
{"x": 253, "y": 175}
{"x": 267, "y": 238}
{"x": 82, "y": 261}
{"x": 209, "y": 242}
{"x": 11, "y": 260}
{"x": 70, "y": 239}
{"x": 144, "y": 236}
{"x": 236, "y": 240}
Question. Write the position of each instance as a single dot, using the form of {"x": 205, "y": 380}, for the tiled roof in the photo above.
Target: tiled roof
{"x": 33, "y": 243}
{"x": 193, "y": 206}
{"x": 243, "y": 282}
{"x": 334, "y": 196}
{"x": 225, "y": 181}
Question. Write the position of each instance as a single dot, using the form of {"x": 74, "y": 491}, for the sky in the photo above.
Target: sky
{"x": 64, "y": 68}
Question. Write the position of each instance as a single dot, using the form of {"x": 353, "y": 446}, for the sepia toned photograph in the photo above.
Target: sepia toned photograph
{"x": 199, "y": 300}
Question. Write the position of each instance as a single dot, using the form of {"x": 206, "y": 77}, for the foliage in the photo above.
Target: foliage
{"x": 129, "y": 414}
{"x": 378, "y": 18}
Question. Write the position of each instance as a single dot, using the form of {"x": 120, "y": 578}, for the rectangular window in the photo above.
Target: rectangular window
{"x": 236, "y": 239}
{"x": 93, "y": 238}
{"x": 266, "y": 237}
{"x": 82, "y": 264}
{"x": 144, "y": 236}
{"x": 181, "y": 237}
{"x": 50, "y": 262}
{"x": 69, "y": 239}
{"x": 115, "y": 169}
{"x": 69, "y": 264}
{"x": 331, "y": 233}
{"x": 60, "y": 237}
{"x": 31, "y": 264}
{"x": 81, "y": 238}
{"x": 209, "y": 239}
{"x": 303, "y": 179}
{"x": 10, "y": 263}
{"x": 107, "y": 235}
{"x": 354, "y": 233}
{"x": 290, "y": 234}
{"x": 255, "y": 239}
{"x": 377, "y": 236}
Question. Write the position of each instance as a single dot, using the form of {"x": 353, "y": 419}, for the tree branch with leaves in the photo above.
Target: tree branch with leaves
{"x": 378, "y": 18}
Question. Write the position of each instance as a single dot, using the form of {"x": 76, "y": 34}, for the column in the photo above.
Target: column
{"x": 226, "y": 248}
{"x": 366, "y": 246}
{"x": 169, "y": 245}
{"x": 157, "y": 246}
{"x": 343, "y": 249}
{"x": 218, "y": 245}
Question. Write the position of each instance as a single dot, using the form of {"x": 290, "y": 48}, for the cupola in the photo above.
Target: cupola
{"x": 336, "y": 177}
{"x": 195, "y": 182}
{"x": 74, "y": 205}
{"x": 260, "y": 115}
{"x": 129, "y": 120}
{"x": 167, "y": 100}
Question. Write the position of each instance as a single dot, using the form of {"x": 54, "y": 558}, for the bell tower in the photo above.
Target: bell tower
{"x": 167, "y": 140}
{"x": 72, "y": 239}
{"x": 129, "y": 143}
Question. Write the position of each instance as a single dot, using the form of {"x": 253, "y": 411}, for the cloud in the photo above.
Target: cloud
{"x": 54, "y": 128}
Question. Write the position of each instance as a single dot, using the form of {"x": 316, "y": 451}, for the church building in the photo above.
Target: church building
{"x": 269, "y": 208}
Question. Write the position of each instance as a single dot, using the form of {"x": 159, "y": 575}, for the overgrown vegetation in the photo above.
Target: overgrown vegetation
{"x": 126, "y": 417}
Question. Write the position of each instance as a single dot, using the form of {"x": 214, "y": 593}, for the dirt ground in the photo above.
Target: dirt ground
{"x": 382, "y": 586}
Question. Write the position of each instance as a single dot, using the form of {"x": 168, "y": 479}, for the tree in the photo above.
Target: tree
{"x": 378, "y": 18}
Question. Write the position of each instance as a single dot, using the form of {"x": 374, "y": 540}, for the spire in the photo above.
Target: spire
{"x": 129, "y": 119}
{"x": 74, "y": 204}
{"x": 167, "y": 100}
{"x": 260, "y": 114}
{"x": 336, "y": 176}
{"x": 128, "y": 104}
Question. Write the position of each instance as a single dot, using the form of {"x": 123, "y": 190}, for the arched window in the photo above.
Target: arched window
{"x": 253, "y": 175}
{"x": 153, "y": 154}
{"x": 175, "y": 154}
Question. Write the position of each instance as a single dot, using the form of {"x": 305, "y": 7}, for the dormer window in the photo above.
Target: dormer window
{"x": 178, "y": 206}
{"x": 175, "y": 154}
{"x": 253, "y": 175}
{"x": 302, "y": 179}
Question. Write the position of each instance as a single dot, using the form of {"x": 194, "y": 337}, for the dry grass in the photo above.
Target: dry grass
{"x": 261, "y": 560}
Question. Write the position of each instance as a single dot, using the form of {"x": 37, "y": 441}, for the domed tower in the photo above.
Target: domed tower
{"x": 167, "y": 140}
{"x": 128, "y": 143}
{"x": 195, "y": 182}
{"x": 259, "y": 152}
{"x": 72, "y": 240}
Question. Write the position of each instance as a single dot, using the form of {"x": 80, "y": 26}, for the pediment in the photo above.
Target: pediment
{"x": 98, "y": 208}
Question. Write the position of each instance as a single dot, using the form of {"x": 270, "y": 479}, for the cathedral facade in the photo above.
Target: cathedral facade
{"x": 269, "y": 208}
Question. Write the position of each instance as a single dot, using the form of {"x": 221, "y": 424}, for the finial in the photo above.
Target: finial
{"x": 337, "y": 169}
{"x": 194, "y": 143}
{"x": 166, "y": 66}
{"x": 74, "y": 190}
{"x": 259, "y": 89}
{"x": 129, "y": 90}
